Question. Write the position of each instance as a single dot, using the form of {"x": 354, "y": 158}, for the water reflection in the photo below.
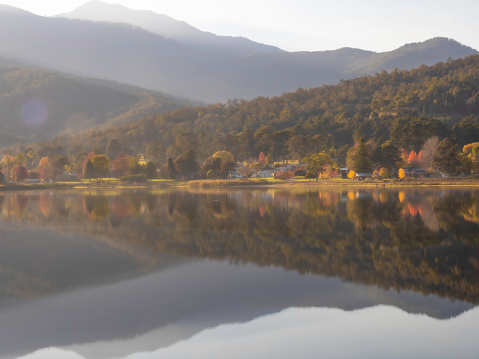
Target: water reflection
{"x": 92, "y": 268}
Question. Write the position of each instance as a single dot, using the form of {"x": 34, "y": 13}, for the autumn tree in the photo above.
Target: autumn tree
{"x": 317, "y": 162}
{"x": 120, "y": 166}
{"x": 21, "y": 173}
{"x": 427, "y": 152}
{"x": 284, "y": 175}
{"x": 384, "y": 172}
{"x": 262, "y": 159}
{"x": 45, "y": 168}
{"x": 8, "y": 164}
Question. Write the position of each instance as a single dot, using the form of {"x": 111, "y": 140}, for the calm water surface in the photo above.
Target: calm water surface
{"x": 240, "y": 273}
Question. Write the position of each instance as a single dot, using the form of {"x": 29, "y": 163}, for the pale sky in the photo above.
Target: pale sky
{"x": 309, "y": 25}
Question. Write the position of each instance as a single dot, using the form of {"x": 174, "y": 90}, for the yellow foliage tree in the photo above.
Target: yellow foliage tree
{"x": 401, "y": 173}
{"x": 351, "y": 175}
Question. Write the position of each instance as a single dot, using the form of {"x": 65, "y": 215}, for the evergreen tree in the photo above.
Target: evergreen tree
{"x": 113, "y": 149}
{"x": 150, "y": 170}
{"x": 89, "y": 171}
{"x": 359, "y": 157}
{"x": 446, "y": 157}
{"x": 171, "y": 169}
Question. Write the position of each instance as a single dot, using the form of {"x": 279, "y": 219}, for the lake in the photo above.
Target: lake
{"x": 240, "y": 273}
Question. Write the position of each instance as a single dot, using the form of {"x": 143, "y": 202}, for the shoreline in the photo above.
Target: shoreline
{"x": 248, "y": 183}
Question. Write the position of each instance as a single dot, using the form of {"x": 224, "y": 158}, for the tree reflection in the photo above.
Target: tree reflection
{"x": 424, "y": 240}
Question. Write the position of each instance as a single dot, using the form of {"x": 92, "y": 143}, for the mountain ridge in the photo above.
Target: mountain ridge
{"x": 170, "y": 28}
{"x": 128, "y": 54}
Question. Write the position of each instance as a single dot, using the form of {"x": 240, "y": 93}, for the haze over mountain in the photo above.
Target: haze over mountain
{"x": 129, "y": 54}
{"x": 169, "y": 28}
{"x": 37, "y": 104}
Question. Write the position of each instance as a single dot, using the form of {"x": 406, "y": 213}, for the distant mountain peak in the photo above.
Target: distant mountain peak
{"x": 7, "y": 9}
{"x": 168, "y": 27}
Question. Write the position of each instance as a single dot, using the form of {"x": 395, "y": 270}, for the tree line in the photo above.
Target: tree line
{"x": 403, "y": 109}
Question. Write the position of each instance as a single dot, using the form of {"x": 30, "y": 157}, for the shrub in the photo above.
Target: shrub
{"x": 300, "y": 172}
{"x": 134, "y": 179}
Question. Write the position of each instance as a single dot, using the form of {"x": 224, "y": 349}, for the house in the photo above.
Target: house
{"x": 235, "y": 174}
{"x": 344, "y": 173}
{"x": 263, "y": 174}
{"x": 363, "y": 176}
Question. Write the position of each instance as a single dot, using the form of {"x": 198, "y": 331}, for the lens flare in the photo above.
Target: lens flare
{"x": 34, "y": 112}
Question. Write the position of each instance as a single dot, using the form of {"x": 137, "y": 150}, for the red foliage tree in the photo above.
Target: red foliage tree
{"x": 121, "y": 165}
{"x": 262, "y": 159}
{"x": 21, "y": 173}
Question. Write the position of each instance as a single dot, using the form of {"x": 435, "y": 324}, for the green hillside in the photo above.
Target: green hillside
{"x": 407, "y": 107}
{"x": 38, "y": 104}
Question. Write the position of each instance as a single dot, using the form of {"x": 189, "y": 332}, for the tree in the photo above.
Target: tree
{"x": 135, "y": 167}
{"x": 113, "y": 149}
{"x": 21, "y": 173}
{"x": 86, "y": 159}
{"x": 220, "y": 166}
{"x": 316, "y": 163}
{"x": 186, "y": 164}
{"x": 427, "y": 152}
{"x": 352, "y": 175}
{"x": 384, "y": 172}
{"x": 59, "y": 164}
{"x": 284, "y": 175}
{"x": 45, "y": 168}
{"x": 359, "y": 157}
{"x": 401, "y": 173}
{"x": 262, "y": 159}
{"x": 101, "y": 163}
{"x": 89, "y": 171}
{"x": 446, "y": 157}
{"x": 121, "y": 165}
{"x": 150, "y": 170}
{"x": 8, "y": 164}
{"x": 387, "y": 155}
{"x": 224, "y": 155}
{"x": 171, "y": 169}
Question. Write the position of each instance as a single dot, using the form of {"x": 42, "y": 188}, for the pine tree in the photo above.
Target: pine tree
{"x": 89, "y": 171}
{"x": 362, "y": 161}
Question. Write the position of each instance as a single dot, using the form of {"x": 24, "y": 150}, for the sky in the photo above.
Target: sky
{"x": 309, "y": 25}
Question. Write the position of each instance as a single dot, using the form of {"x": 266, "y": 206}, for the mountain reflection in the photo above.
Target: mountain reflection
{"x": 424, "y": 240}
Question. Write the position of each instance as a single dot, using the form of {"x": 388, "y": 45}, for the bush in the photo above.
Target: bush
{"x": 134, "y": 179}
{"x": 300, "y": 172}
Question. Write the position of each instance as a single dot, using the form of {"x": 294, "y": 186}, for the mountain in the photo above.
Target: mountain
{"x": 406, "y": 107}
{"x": 128, "y": 54}
{"x": 38, "y": 104}
{"x": 169, "y": 28}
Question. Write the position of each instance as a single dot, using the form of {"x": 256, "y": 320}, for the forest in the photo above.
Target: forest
{"x": 404, "y": 109}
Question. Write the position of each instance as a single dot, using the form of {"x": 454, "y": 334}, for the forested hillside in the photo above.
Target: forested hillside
{"x": 38, "y": 104}
{"x": 407, "y": 107}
